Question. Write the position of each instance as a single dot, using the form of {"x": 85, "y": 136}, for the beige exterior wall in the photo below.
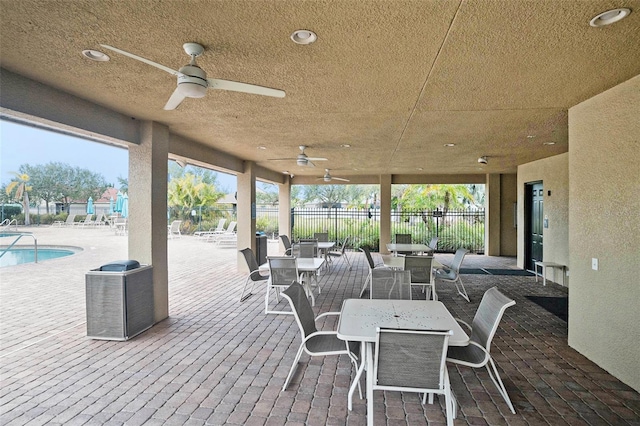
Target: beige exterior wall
{"x": 508, "y": 197}
{"x": 604, "y": 223}
{"x": 554, "y": 174}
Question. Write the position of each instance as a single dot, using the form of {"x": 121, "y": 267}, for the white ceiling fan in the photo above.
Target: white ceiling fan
{"x": 193, "y": 81}
{"x": 302, "y": 159}
{"x": 328, "y": 178}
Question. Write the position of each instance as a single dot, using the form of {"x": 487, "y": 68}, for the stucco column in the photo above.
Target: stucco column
{"x": 284, "y": 210}
{"x": 492, "y": 216}
{"x": 385, "y": 212}
{"x": 246, "y": 212}
{"x": 148, "y": 209}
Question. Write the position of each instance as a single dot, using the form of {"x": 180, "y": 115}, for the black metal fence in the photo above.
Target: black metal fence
{"x": 454, "y": 229}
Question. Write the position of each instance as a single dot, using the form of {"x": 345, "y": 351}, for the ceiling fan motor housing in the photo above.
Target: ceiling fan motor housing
{"x": 192, "y": 81}
{"x": 301, "y": 161}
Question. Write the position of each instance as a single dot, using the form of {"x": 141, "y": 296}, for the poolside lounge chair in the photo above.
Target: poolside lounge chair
{"x": 86, "y": 222}
{"x": 99, "y": 220}
{"x": 212, "y": 231}
{"x": 229, "y": 236}
{"x": 71, "y": 218}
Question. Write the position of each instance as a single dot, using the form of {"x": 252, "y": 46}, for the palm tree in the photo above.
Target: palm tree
{"x": 19, "y": 185}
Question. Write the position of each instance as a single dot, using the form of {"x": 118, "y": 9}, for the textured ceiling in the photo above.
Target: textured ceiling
{"x": 394, "y": 79}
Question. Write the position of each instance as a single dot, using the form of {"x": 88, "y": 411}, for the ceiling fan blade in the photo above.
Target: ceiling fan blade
{"x": 316, "y": 159}
{"x": 282, "y": 159}
{"x": 175, "y": 100}
{"x": 235, "y": 86}
{"x": 141, "y": 59}
{"x": 310, "y": 164}
{"x": 343, "y": 180}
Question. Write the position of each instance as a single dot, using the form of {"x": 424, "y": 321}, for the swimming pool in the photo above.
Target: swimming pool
{"x": 19, "y": 255}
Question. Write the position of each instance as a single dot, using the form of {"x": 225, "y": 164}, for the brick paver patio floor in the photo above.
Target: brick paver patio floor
{"x": 218, "y": 361}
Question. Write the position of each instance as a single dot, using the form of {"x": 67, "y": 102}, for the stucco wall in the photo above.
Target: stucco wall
{"x": 604, "y": 223}
{"x": 508, "y": 233}
{"x": 554, "y": 174}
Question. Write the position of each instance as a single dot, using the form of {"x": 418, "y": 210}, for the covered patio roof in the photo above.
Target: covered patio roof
{"x": 395, "y": 80}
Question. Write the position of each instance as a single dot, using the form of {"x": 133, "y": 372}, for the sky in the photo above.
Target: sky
{"x": 21, "y": 144}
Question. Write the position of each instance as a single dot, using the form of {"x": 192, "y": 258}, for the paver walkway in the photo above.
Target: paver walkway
{"x": 218, "y": 361}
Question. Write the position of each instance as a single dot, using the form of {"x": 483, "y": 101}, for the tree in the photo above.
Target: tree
{"x": 267, "y": 194}
{"x": 190, "y": 191}
{"x": 21, "y": 192}
{"x": 327, "y": 194}
{"x": 45, "y": 181}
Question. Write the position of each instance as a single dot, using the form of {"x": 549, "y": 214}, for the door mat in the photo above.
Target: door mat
{"x": 489, "y": 271}
{"x": 558, "y": 306}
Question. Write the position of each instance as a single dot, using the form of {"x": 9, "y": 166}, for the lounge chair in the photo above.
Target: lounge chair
{"x": 71, "y": 218}
{"x": 86, "y": 222}
{"x": 212, "y": 231}
{"x": 227, "y": 237}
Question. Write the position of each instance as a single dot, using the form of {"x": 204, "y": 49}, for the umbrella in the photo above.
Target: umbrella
{"x": 111, "y": 210}
{"x": 125, "y": 206}
{"x": 118, "y": 207}
{"x": 90, "y": 209}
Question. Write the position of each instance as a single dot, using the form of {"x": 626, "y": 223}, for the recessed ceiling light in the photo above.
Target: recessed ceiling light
{"x": 609, "y": 17}
{"x": 449, "y": 144}
{"x": 548, "y": 143}
{"x": 262, "y": 147}
{"x": 303, "y": 36}
{"x": 345, "y": 145}
{"x": 95, "y": 55}
{"x": 531, "y": 136}
{"x": 419, "y": 168}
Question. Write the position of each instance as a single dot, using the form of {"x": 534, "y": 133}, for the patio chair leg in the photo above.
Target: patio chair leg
{"x": 498, "y": 382}
{"x": 364, "y": 286}
{"x": 293, "y": 367}
{"x": 244, "y": 296}
{"x": 462, "y": 293}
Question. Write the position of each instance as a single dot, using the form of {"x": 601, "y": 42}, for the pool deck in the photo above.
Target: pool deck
{"x": 218, "y": 361}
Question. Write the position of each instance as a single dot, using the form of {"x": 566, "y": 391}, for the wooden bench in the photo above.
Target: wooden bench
{"x": 543, "y": 266}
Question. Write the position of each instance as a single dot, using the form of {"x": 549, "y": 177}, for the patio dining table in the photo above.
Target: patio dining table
{"x": 359, "y": 319}
{"x": 415, "y": 248}
{"x": 306, "y": 265}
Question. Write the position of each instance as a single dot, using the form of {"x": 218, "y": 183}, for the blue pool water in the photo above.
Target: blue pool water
{"x": 17, "y": 256}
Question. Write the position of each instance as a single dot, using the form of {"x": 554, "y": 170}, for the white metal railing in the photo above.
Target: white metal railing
{"x": 18, "y": 237}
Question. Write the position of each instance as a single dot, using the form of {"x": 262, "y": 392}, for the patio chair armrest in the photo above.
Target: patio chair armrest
{"x": 326, "y": 314}
{"x": 320, "y": 333}
{"x": 466, "y": 324}
{"x": 487, "y": 356}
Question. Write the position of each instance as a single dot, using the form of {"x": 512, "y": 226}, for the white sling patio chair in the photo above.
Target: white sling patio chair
{"x": 452, "y": 273}
{"x": 173, "y": 230}
{"x": 341, "y": 254}
{"x": 254, "y": 273}
{"x": 421, "y": 273}
{"x": 390, "y": 284}
{"x": 314, "y": 342}
{"x": 283, "y": 271}
{"x": 412, "y": 361}
{"x": 371, "y": 265}
{"x": 483, "y": 328}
